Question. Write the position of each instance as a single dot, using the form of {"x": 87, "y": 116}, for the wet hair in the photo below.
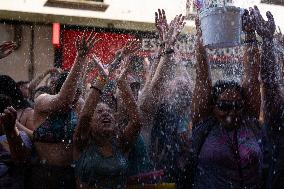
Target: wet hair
{"x": 5, "y": 101}
{"x": 44, "y": 89}
{"x": 60, "y": 81}
{"x": 222, "y": 85}
{"x": 8, "y": 87}
{"x": 20, "y": 83}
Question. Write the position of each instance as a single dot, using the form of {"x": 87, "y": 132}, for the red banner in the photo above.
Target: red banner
{"x": 104, "y": 50}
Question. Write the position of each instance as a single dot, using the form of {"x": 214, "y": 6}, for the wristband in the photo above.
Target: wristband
{"x": 167, "y": 52}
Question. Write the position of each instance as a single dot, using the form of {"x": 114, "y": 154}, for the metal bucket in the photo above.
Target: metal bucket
{"x": 221, "y": 26}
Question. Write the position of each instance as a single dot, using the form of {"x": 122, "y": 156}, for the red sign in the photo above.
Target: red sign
{"x": 56, "y": 34}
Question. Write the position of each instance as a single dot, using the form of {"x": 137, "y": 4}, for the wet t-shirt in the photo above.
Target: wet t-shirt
{"x": 218, "y": 165}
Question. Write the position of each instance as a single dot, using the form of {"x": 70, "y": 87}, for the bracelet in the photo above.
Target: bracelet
{"x": 96, "y": 88}
{"x": 167, "y": 52}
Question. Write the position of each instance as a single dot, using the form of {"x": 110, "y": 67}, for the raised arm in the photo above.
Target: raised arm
{"x": 269, "y": 70}
{"x": 7, "y": 48}
{"x": 201, "y": 101}
{"x": 153, "y": 91}
{"x": 130, "y": 47}
{"x": 133, "y": 128}
{"x": 250, "y": 83}
{"x": 51, "y": 103}
{"x": 167, "y": 62}
{"x": 19, "y": 152}
{"x": 82, "y": 130}
{"x": 89, "y": 68}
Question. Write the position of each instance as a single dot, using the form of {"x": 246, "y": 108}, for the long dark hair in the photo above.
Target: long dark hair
{"x": 221, "y": 85}
{"x": 9, "y": 88}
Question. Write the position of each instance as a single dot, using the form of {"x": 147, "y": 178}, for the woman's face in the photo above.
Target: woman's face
{"x": 228, "y": 108}
{"x": 103, "y": 122}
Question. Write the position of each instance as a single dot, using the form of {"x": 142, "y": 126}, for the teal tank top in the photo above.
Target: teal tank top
{"x": 96, "y": 170}
{"x": 57, "y": 128}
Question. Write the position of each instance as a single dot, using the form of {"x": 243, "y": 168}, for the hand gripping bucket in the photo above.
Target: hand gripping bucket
{"x": 221, "y": 26}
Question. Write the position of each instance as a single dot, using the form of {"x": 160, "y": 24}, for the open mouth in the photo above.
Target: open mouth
{"x": 106, "y": 121}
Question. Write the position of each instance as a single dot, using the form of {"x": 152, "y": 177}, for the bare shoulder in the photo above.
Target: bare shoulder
{"x": 42, "y": 102}
{"x": 41, "y": 98}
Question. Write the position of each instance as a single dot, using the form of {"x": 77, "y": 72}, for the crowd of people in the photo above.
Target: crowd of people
{"x": 118, "y": 132}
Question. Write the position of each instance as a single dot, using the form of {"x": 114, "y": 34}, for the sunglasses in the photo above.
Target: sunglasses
{"x": 227, "y": 105}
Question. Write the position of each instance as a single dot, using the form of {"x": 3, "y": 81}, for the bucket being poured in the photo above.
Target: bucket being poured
{"x": 221, "y": 26}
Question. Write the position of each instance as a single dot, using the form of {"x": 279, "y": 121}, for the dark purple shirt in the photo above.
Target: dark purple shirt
{"x": 218, "y": 166}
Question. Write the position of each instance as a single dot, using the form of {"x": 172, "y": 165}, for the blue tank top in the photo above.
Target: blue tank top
{"x": 96, "y": 170}
{"x": 57, "y": 128}
{"x": 139, "y": 161}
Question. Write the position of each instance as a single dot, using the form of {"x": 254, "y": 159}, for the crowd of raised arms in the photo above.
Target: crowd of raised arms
{"x": 116, "y": 132}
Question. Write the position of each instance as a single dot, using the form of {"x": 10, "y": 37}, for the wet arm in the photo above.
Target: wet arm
{"x": 25, "y": 129}
{"x": 146, "y": 101}
{"x": 51, "y": 103}
{"x": 82, "y": 130}
{"x": 133, "y": 129}
{"x": 19, "y": 152}
{"x": 251, "y": 84}
{"x": 154, "y": 90}
{"x": 271, "y": 82}
{"x": 201, "y": 100}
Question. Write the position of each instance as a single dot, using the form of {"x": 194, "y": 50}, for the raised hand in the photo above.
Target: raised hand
{"x": 265, "y": 29}
{"x": 130, "y": 48}
{"x": 161, "y": 23}
{"x": 248, "y": 21}
{"x": 8, "y": 119}
{"x": 7, "y": 48}
{"x": 125, "y": 69}
{"x": 173, "y": 32}
{"x": 102, "y": 71}
{"x": 85, "y": 44}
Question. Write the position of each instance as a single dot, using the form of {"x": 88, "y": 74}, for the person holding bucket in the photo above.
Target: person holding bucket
{"x": 225, "y": 121}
